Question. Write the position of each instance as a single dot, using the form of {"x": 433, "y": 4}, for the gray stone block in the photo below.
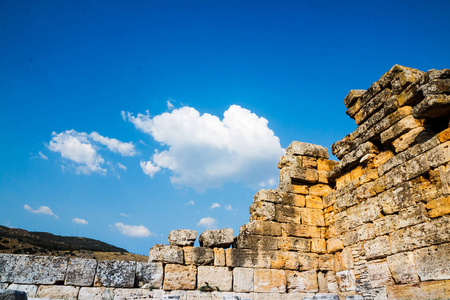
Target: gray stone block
{"x": 115, "y": 273}
{"x": 12, "y": 295}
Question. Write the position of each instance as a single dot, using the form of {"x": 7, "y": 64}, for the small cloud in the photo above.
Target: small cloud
{"x": 214, "y": 205}
{"x": 133, "y": 231}
{"x": 228, "y": 207}
{"x": 122, "y": 166}
{"x": 80, "y": 221}
{"x": 41, "y": 210}
{"x": 42, "y": 155}
{"x": 208, "y": 223}
{"x": 149, "y": 168}
{"x": 125, "y": 215}
{"x": 169, "y": 105}
{"x": 190, "y": 203}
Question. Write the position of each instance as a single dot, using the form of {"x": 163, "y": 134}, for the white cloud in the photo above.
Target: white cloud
{"x": 125, "y": 215}
{"x": 80, "y": 221}
{"x": 215, "y": 205}
{"x": 42, "y": 155}
{"x": 41, "y": 210}
{"x": 190, "y": 203}
{"x": 205, "y": 151}
{"x": 134, "y": 231}
{"x": 228, "y": 207}
{"x": 169, "y": 105}
{"x": 208, "y": 223}
{"x": 121, "y": 166}
{"x": 81, "y": 149}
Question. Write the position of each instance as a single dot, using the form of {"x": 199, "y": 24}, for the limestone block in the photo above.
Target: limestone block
{"x": 243, "y": 279}
{"x": 373, "y": 105}
{"x": 432, "y": 106}
{"x": 294, "y": 200}
{"x": 379, "y": 274}
{"x": 216, "y": 277}
{"x": 266, "y": 296}
{"x": 219, "y": 257}
{"x": 95, "y": 293}
{"x": 352, "y": 96}
{"x": 365, "y": 232}
{"x": 311, "y": 216}
{"x": 132, "y": 294}
{"x": 30, "y": 289}
{"x": 80, "y": 272}
{"x": 166, "y": 254}
{"x": 396, "y": 198}
{"x": 285, "y": 260}
{"x": 12, "y": 295}
{"x": 433, "y": 263}
{"x": 334, "y": 244}
{"x": 182, "y": 237}
{"x": 412, "y": 215}
{"x": 346, "y": 280}
{"x": 362, "y": 213}
{"x": 268, "y": 196}
{"x": 403, "y": 268}
{"x": 322, "y": 282}
{"x": 293, "y": 244}
{"x": 343, "y": 260}
{"x": 149, "y": 275}
{"x": 439, "y": 155}
{"x": 422, "y": 290}
{"x": 318, "y": 245}
{"x": 115, "y": 273}
{"x": 314, "y": 202}
{"x": 378, "y": 247}
{"x": 444, "y": 135}
{"x": 404, "y": 125}
{"x": 414, "y": 136}
{"x": 30, "y": 269}
{"x": 198, "y": 256}
{"x": 299, "y": 148}
{"x": 269, "y": 281}
{"x": 262, "y": 210}
{"x": 308, "y": 261}
{"x": 409, "y": 170}
{"x": 247, "y": 258}
{"x": 230, "y": 296}
{"x": 332, "y": 284}
{"x": 301, "y": 189}
{"x": 385, "y": 225}
{"x": 288, "y": 213}
{"x": 319, "y": 190}
{"x": 259, "y": 227}
{"x": 298, "y": 230}
{"x": 439, "y": 207}
{"x": 257, "y": 242}
{"x": 58, "y": 292}
{"x": 302, "y": 281}
{"x": 178, "y": 277}
{"x": 301, "y": 175}
{"x": 326, "y": 262}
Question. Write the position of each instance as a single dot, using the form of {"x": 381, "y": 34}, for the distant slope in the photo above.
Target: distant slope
{"x": 48, "y": 241}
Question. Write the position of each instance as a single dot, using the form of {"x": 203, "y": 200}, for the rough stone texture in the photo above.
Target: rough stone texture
{"x": 216, "y": 277}
{"x": 302, "y": 281}
{"x": 269, "y": 281}
{"x": 149, "y": 275}
{"x": 198, "y": 256}
{"x": 29, "y": 269}
{"x": 433, "y": 263}
{"x": 166, "y": 254}
{"x": 132, "y": 294}
{"x": 423, "y": 290}
{"x": 243, "y": 279}
{"x": 219, "y": 257}
{"x": 58, "y": 292}
{"x": 262, "y": 210}
{"x": 299, "y": 148}
{"x": 80, "y": 272}
{"x": 30, "y": 289}
{"x": 346, "y": 280}
{"x": 182, "y": 237}
{"x": 378, "y": 247}
{"x": 12, "y": 295}
{"x": 247, "y": 258}
{"x": 379, "y": 274}
{"x": 95, "y": 293}
{"x": 259, "y": 227}
{"x": 178, "y": 277}
{"x": 220, "y": 238}
{"x": 115, "y": 273}
{"x": 403, "y": 268}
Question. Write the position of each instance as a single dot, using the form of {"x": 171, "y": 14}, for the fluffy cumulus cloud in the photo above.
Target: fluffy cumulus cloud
{"x": 133, "y": 231}
{"x": 81, "y": 149}
{"x": 41, "y": 210}
{"x": 215, "y": 205}
{"x": 205, "y": 151}
{"x": 208, "y": 223}
{"x": 80, "y": 221}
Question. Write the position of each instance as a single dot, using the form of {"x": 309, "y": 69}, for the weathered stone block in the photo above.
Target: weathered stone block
{"x": 403, "y": 268}
{"x": 319, "y": 190}
{"x": 80, "y": 272}
{"x": 397, "y": 198}
{"x": 257, "y": 242}
{"x": 29, "y": 269}
{"x": 302, "y": 281}
{"x": 182, "y": 237}
{"x": 439, "y": 207}
{"x": 404, "y": 125}
{"x": 95, "y": 293}
{"x": 298, "y": 230}
{"x": 219, "y": 257}
{"x": 343, "y": 260}
{"x": 198, "y": 256}
{"x": 268, "y": 196}
{"x": 243, "y": 279}
{"x": 314, "y": 202}
{"x": 379, "y": 274}
{"x": 149, "y": 275}
{"x": 378, "y": 247}
{"x": 58, "y": 292}
{"x": 326, "y": 262}
{"x": 412, "y": 215}
{"x": 216, "y": 277}
{"x": 258, "y": 227}
{"x": 269, "y": 281}
{"x": 352, "y": 96}
{"x": 346, "y": 280}
{"x": 439, "y": 155}
{"x": 308, "y": 261}
{"x": 414, "y": 136}
{"x": 302, "y": 175}
{"x": 262, "y": 210}
{"x": 285, "y": 260}
{"x": 247, "y": 258}
{"x": 385, "y": 225}
{"x": 220, "y": 238}
{"x": 422, "y": 290}
{"x": 30, "y": 289}
{"x": 166, "y": 254}
{"x": 12, "y": 295}
{"x": 433, "y": 263}
{"x": 115, "y": 273}
{"x": 288, "y": 214}
{"x": 318, "y": 245}
{"x": 178, "y": 277}
{"x": 293, "y": 244}
{"x": 334, "y": 244}
{"x": 133, "y": 294}
{"x": 294, "y": 200}
{"x": 299, "y": 148}
{"x": 432, "y": 106}
{"x": 311, "y": 216}
{"x": 362, "y": 213}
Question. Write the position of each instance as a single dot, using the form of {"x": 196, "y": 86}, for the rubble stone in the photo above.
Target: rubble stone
{"x": 182, "y": 237}
{"x": 403, "y": 268}
{"x": 299, "y": 148}
{"x": 166, "y": 254}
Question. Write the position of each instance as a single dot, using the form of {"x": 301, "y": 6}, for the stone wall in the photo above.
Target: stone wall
{"x": 375, "y": 225}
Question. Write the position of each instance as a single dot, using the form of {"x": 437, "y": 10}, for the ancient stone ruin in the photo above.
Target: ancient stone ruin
{"x": 375, "y": 225}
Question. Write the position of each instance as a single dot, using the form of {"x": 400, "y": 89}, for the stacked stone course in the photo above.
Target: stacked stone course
{"x": 374, "y": 225}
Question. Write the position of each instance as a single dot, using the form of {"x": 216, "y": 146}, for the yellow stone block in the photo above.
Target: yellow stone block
{"x": 219, "y": 257}
{"x": 444, "y": 136}
{"x": 318, "y": 245}
{"x": 314, "y": 202}
{"x": 422, "y": 290}
{"x": 320, "y": 190}
{"x": 269, "y": 281}
{"x": 343, "y": 180}
{"x": 438, "y": 207}
{"x": 382, "y": 158}
{"x": 325, "y": 164}
{"x": 357, "y": 172}
{"x": 312, "y": 216}
{"x": 300, "y": 189}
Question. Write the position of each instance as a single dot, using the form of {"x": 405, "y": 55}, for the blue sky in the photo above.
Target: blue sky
{"x": 123, "y": 120}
